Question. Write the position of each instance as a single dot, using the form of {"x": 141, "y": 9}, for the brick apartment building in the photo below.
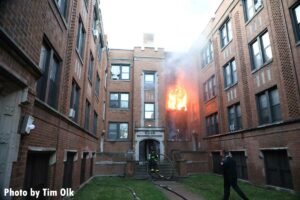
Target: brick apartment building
{"x": 52, "y": 60}
{"x": 249, "y": 74}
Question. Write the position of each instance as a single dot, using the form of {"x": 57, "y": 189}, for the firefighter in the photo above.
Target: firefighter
{"x": 153, "y": 162}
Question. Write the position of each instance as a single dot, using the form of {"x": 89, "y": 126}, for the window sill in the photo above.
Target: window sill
{"x": 204, "y": 66}
{"x": 120, "y": 80}
{"x": 262, "y": 66}
{"x": 256, "y": 13}
{"x": 230, "y": 86}
{"x": 119, "y": 109}
{"x": 235, "y": 131}
{"x": 226, "y": 45}
{"x": 298, "y": 43}
{"x": 269, "y": 124}
{"x": 117, "y": 140}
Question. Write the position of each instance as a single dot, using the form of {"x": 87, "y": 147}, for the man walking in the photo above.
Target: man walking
{"x": 230, "y": 176}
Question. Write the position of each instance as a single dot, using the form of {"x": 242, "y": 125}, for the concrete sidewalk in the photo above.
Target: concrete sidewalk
{"x": 178, "y": 188}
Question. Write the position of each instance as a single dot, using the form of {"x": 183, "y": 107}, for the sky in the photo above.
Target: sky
{"x": 174, "y": 23}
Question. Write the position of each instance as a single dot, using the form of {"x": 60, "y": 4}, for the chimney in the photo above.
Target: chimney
{"x": 148, "y": 40}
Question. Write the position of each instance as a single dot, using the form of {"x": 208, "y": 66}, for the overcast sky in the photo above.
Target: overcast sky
{"x": 174, "y": 23}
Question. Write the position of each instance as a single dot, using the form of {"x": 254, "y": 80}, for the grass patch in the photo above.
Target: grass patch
{"x": 117, "y": 188}
{"x": 210, "y": 187}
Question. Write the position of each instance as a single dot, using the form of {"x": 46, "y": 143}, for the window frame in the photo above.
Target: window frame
{"x": 91, "y": 68}
{"x": 119, "y": 100}
{"x": 233, "y": 74}
{"x": 44, "y": 83}
{"x": 118, "y": 133}
{"x": 212, "y": 128}
{"x": 207, "y": 58}
{"x": 262, "y": 52}
{"x": 152, "y": 118}
{"x": 211, "y": 92}
{"x": 95, "y": 123}
{"x": 225, "y": 25}
{"x": 80, "y": 40}
{"x": 255, "y": 11}
{"x": 74, "y": 100}
{"x": 87, "y": 113}
{"x": 97, "y": 85}
{"x": 237, "y": 120}
{"x": 121, "y": 72}
{"x": 269, "y": 108}
{"x": 296, "y": 26}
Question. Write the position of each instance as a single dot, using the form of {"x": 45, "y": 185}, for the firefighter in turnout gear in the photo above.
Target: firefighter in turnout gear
{"x": 153, "y": 162}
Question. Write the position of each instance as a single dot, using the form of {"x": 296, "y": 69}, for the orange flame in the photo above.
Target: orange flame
{"x": 177, "y": 99}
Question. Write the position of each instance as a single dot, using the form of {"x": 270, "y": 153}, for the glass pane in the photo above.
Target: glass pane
{"x": 256, "y": 55}
{"x": 149, "y": 78}
{"x": 112, "y": 135}
{"x": 149, "y": 115}
{"x": 124, "y": 97}
{"x": 227, "y": 76}
{"x": 114, "y": 96}
{"x": 267, "y": 46}
{"x": 297, "y": 13}
{"x": 274, "y": 97}
{"x": 234, "y": 73}
{"x": 115, "y": 72}
{"x": 263, "y": 101}
{"x": 124, "y": 104}
{"x": 149, "y": 107}
{"x": 224, "y": 36}
{"x": 125, "y": 69}
{"x": 229, "y": 29}
{"x": 113, "y": 127}
{"x": 266, "y": 40}
{"x": 44, "y": 57}
{"x": 123, "y": 130}
{"x": 125, "y": 76}
{"x": 257, "y": 4}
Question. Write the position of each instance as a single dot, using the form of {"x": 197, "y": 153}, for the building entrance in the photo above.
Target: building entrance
{"x": 145, "y": 148}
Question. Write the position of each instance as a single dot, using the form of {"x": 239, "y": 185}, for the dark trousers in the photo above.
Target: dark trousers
{"x": 236, "y": 188}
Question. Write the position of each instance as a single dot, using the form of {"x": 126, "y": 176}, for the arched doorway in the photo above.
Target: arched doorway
{"x": 145, "y": 148}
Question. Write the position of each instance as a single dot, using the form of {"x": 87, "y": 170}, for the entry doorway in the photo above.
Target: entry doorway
{"x": 145, "y": 148}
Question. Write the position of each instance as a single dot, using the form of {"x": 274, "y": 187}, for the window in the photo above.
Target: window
{"x": 295, "y": 14}
{"x": 261, "y": 51}
{"x": 87, "y": 115}
{"x": 277, "y": 168}
{"x": 80, "y": 39}
{"x": 234, "y": 117}
{"x": 251, "y": 7}
{"x": 119, "y": 100}
{"x": 241, "y": 164}
{"x": 117, "y": 131}
{"x": 149, "y": 79}
{"x": 268, "y": 106}
{"x": 95, "y": 18}
{"x": 226, "y": 33}
{"x": 149, "y": 110}
{"x": 216, "y": 159}
{"x": 207, "y": 54}
{"x": 74, "y": 102}
{"x": 212, "y": 124}
{"x": 209, "y": 88}
{"x": 48, "y": 84}
{"x": 230, "y": 75}
{"x": 120, "y": 72}
{"x": 63, "y": 7}
{"x": 91, "y": 68}
{"x": 100, "y": 47}
{"x": 97, "y": 87}
{"x": 95, "y": 123}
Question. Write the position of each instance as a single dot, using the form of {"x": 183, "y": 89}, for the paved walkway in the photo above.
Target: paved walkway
{"x": 179, "y": 188}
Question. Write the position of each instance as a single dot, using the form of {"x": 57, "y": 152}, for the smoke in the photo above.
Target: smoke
{"x": 176, "y": 24}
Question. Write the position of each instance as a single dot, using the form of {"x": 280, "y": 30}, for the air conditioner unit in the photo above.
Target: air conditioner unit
{"x": 27, "y": 124}
{"x": 72, "y": 113}
{"x": 95, "y": 33}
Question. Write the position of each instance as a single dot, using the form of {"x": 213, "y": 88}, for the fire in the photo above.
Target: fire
{"x": 177, "y": 99}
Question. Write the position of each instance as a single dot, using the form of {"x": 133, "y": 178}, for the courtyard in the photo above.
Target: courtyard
{"x": 204, "y": 186}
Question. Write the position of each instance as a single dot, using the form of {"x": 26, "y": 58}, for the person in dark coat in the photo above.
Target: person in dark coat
{"x": 230, "y": 176}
